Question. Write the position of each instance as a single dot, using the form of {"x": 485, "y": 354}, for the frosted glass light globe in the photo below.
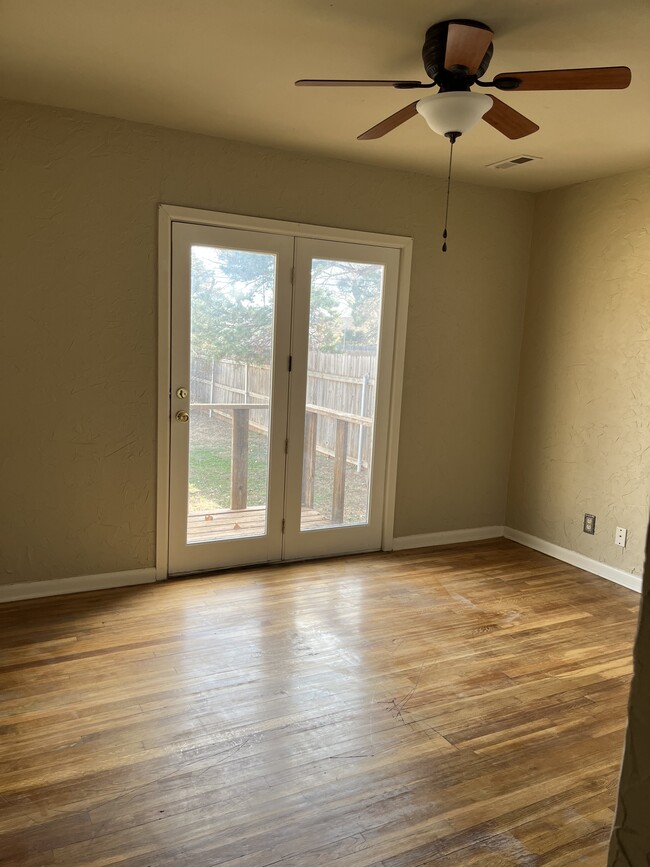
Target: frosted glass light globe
{"x": 454, "y": 111}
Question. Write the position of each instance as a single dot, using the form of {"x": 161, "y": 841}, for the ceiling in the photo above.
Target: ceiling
{"x": 226, "y": 68}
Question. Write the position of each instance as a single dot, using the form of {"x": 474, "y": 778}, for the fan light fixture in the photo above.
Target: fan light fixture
{"x": 454, "y": 112}
{"x": 451, "y": 114}
{"x": 456, "y": 54}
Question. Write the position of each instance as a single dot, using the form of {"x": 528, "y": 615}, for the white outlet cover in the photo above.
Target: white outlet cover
{"x": 621, "y": 537}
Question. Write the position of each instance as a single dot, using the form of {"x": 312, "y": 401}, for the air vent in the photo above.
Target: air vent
{"x": 513, "y": 161}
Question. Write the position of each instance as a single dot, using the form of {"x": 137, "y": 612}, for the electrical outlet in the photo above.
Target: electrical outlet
{"x": 589, "y": 524}
{"x": 621, "y": 537}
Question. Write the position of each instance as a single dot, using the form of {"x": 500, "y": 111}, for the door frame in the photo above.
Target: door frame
{"x": 169, "y": 214}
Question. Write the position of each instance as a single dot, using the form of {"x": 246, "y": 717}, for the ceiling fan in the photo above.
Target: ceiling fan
{"x": 456, "y": 55}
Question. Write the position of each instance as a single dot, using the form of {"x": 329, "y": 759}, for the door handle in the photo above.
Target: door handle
{"x": 181, "y": 415}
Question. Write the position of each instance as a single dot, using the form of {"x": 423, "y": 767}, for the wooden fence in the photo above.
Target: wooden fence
{"x": 338, "y": 420}
{"x": 335, "y": 381}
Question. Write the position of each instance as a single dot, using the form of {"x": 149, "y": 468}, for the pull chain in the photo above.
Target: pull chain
{"x": 452, "y": 136}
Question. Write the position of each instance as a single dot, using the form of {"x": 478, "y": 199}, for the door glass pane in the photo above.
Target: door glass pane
{"x": 231, "y": 350}
{"x": 344, "y": 319}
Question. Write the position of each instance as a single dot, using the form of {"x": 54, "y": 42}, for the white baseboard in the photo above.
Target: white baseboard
{"x": 86, "y": 583}
{"x": 446, "y": 537}
{"x": 611, "y": 573}
{"x": 80, "y": 584}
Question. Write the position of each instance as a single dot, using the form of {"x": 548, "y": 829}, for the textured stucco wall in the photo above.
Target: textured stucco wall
{"x": 78, "y": 331}
{"x": 582, "y": 433}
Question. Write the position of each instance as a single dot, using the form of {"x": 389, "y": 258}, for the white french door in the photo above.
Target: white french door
{"x": 281, "y": 366}
{"x": 338, "y": 432}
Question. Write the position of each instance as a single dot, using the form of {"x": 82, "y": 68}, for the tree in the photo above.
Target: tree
{"x": 358, "y": 287}
{"x": 233, "y": 304}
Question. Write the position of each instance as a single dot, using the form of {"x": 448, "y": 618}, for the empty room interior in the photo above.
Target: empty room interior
{"x": 326, "y": 350}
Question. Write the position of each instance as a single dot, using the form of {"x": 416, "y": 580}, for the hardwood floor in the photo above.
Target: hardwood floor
{"x": 460, "y": 706}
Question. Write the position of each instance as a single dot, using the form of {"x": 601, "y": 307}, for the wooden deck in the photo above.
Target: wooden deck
{"x": 227, "y": 524}
{"x": 459, "y": 707}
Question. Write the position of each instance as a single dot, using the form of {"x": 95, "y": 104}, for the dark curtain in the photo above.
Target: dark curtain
{"x": 630, "y": 843}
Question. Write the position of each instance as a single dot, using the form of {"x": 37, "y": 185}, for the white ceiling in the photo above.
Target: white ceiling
{"x": 226, "y": 68}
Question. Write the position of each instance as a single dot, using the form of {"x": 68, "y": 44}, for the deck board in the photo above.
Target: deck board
{"x": 226, "y": 524}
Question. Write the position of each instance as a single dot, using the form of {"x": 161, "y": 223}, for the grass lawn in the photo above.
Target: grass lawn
{"x": 209, "y": 472}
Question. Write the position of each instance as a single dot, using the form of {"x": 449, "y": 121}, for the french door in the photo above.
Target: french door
{"x": 281, "y": 364}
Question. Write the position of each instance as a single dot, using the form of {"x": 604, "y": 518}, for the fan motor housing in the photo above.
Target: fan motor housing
{"x": 433, "y": 56}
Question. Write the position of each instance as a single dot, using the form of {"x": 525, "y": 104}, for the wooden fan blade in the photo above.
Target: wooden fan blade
{"x": 466, "y": 47}
{"x": 326, "y": 82}
{"x": 389, "y": 123}
{"x": 508, "y": 121}
{"x": 597, "y": 78}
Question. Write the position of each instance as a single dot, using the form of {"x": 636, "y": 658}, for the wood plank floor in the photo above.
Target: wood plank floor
{"x": 460, "y": 706}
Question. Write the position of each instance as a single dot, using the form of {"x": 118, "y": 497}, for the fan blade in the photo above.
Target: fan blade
{"x": 326, "y": 82}
{"x": 466, "y": 47}
{"x": 508, "y": 121}
{"x": 389, "y": 123}
{"x": 598, "y": 78}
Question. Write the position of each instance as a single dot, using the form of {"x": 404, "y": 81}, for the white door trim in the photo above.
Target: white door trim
{"x": 167, "y": 214}
{"x": 164, "y": 389}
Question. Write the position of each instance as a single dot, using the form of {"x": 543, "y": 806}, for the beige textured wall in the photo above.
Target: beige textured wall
{"x": 582, "y": 435}
{"x": 77, "y": 341}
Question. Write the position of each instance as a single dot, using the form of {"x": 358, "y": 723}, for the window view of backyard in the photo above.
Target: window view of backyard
{"x": 230, "y": 399}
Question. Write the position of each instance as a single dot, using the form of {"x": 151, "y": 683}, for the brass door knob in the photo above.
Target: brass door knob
{"x": 181, "y": 415}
